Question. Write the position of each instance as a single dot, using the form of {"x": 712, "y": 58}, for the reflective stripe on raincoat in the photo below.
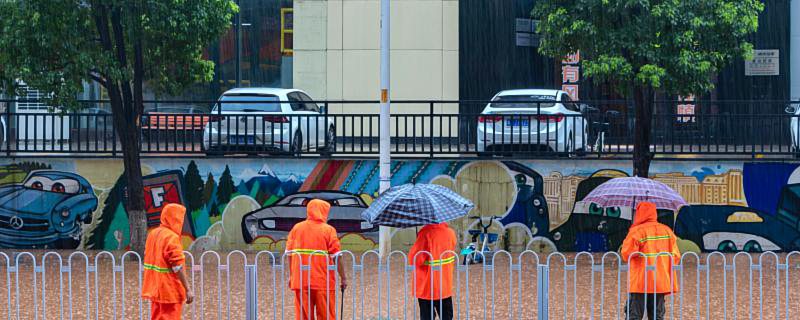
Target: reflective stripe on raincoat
{"x": 433, "y": 249}
{"x": 314, "y": 242}
{"x": 650, "y": 243}
{"x": 163, "y": 257}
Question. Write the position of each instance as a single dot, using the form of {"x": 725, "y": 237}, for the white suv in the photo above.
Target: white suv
{"x": 253, "y": 120}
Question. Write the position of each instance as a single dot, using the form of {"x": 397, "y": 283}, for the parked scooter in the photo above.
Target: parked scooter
{"x": 471, "y": 253}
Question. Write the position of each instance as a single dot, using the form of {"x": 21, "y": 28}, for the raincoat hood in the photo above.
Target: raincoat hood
{"x": 318, "y": 210}
{"x": 645, "y": 213}
{"x": 172, "y": 217}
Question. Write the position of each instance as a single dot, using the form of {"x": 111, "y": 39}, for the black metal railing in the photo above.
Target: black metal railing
{"x": 717, "y": 129}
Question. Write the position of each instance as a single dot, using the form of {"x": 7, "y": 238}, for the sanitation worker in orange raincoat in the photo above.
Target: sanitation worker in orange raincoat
{"x": 165, "y": 283}
{"x": 434, "y": 289}
{"x": 649, "y": 243}
{"x": 315, "y": 243}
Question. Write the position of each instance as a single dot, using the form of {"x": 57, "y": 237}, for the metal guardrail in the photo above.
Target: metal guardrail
{"x": 418, "y": 129}
{"x": 104, "y": 285}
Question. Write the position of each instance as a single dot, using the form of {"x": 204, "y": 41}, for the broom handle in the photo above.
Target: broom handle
{"x": 341, "y": 308}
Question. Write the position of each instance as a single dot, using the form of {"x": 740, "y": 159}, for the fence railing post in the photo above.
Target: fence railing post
{"x": 542, "y": 291}
{"x": 251, "y": 293}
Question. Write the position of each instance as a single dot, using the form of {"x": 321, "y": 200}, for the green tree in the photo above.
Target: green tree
{"x": 57, "y": 46}
{"x": 226, "y": 187}
{"x": 646, "y": 46}
{"x": 208, "y": 189}
{"x": 194, "y": 187}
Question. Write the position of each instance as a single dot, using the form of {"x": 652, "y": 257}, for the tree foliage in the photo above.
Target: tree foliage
{"x": 645, "y": 46}
{"x": 672, "y": 45}
{"x": 194, "y": 187}
{"x": 57, "y": 46}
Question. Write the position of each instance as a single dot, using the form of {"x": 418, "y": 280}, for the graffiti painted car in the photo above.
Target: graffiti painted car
{"x": 734, "y": 228}
{"x": 277, "y": 220}
{"x": 46, "y": 210}
{"x": 597, "y": 229}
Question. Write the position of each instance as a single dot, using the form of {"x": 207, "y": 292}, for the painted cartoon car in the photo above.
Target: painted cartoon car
{"x": 46, "y": 210}
{"x": 277, "y": 220}
{"x": 733, "y": 228}
{"x": 596, "y": 229}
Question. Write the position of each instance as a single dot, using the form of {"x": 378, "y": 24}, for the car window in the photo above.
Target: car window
{"x": 298, "y": 201}
{"x": 744, "y": 217}
{"x": 249, "y": 103}
{"x": 295, "y": 101}
{"x": 309, "y": 103}
{"x": 346, "y": 202}
{"x": 524, "y": 101}
{"x": 567, "y": 102}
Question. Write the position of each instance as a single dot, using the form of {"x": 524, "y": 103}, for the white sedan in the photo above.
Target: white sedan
{"x": 253, "y": 120}
{"x": 534, "y": 120}
{"x": 794, "y": 110}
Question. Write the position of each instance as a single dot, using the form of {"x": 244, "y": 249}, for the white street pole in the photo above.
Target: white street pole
{"x": 385, "y": 161}
{"x": 794, "y": 51}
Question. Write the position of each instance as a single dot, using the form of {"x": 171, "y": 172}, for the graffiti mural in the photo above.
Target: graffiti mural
{"x": 251, "y": 204}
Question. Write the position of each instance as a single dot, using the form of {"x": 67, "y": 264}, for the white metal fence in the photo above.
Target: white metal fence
{"x": 238, "y": 285}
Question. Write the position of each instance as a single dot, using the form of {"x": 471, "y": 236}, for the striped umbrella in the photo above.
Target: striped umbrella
{"x": 626, "y": 192}
{"x": 412, "y": 205}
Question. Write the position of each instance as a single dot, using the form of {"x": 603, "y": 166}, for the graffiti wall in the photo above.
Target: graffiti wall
{"x": 251, "y": 204}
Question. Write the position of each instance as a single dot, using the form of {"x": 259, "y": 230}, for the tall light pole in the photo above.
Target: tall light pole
{"x": 385, "y": 160}
{"x": 794, "y": 51}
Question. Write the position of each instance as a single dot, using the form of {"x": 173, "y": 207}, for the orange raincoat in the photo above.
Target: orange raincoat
{"x": 314, "y": 242}
{"x": 645, "y": 241}
{"x": 163, "y": 258}
{"x": 440, "y": 241}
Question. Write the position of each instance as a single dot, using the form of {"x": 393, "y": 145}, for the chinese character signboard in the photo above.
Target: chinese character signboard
{"x": 686, "y": 110}
{"x": 571, "y": 75}
{"x": 764, "y": 63}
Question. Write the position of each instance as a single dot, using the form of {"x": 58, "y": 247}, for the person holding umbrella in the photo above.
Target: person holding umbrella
{"x": 649, "y": 244}
{"x": 432, "y": 256}
{"x": 313, "y": 243}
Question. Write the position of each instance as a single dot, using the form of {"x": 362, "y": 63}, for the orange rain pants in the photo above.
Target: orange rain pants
{"x": 165, "y": 311}
{"x": 315, "y": 308}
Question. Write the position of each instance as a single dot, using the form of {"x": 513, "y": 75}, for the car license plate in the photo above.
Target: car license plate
{"x": 517, "y": 122}
{"x": 242, "y": 139}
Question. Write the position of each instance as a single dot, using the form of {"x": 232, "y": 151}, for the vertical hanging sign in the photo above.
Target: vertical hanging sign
{"x": 571, "y": 75}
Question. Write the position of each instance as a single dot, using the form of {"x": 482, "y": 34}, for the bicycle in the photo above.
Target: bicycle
{"x": 471, "y": 253}
{"x": 599, "y": 127}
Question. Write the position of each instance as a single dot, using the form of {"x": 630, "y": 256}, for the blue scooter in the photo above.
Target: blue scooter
{"x": 471, "y": 253}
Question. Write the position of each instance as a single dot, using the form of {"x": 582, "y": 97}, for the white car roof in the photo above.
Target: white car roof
{"x": 542, "y": 92}
{"x": 260, "y": 91}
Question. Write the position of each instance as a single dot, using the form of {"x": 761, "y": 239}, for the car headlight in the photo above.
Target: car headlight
{"x": 268, "y": 224}
{"x": 65, "y": 213}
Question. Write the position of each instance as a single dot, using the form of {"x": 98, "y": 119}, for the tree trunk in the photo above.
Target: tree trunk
{"x": 643, "y": 106}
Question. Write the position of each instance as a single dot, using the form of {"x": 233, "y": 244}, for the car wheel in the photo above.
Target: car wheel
{"x": 330, "y": 147}
{"x": 752, "y": 246}
{"x": 727, "y": 246}
{"x": 297, "y": 144}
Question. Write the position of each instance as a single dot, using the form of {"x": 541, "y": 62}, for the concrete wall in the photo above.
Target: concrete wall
{"x": 732, "y": 205}
{"x": 337, "y": 46}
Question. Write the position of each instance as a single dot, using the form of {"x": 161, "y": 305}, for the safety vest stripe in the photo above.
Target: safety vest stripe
{"x": 310, "y": 252}
{"x": 649, "y": 255}
{"x": 440, "y": 262}
{"x": 653, "y": 238}
{"x": 156, "y": 268}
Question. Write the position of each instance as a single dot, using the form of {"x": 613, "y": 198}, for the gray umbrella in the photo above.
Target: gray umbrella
{"x": 412, "y": 205}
